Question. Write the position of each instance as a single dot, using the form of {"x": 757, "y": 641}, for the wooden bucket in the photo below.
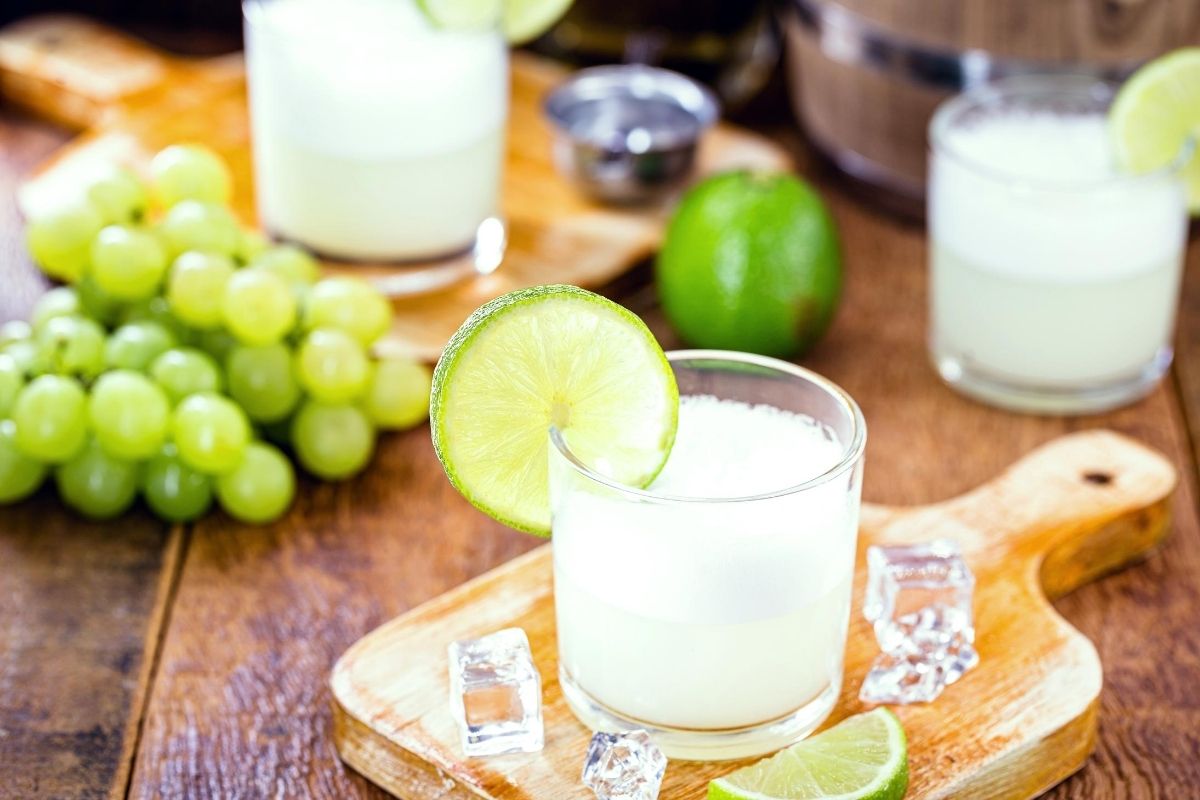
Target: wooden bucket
{"x": 865, "y": 75}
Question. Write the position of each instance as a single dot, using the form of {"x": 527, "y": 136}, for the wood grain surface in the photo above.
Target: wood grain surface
{"x": 1020, "y": 722}
{"x": 239, "y": 705}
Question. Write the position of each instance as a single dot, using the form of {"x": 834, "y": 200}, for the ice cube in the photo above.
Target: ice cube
{"x": 919, "y": 600}
{"x": 624, "y": 766}
{"x": 496, "y": 694}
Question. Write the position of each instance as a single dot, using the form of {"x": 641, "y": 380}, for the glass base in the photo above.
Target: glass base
{"x": 704, "y": 745}
{"x": 416, "y": 276}
{"x": 1006, "y": 393}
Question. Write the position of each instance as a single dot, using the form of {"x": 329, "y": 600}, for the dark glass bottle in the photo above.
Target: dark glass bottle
{"x": 732, "y": 45}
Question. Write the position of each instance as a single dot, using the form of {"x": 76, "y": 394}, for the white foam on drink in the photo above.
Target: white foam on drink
{"x": 1038, "y": 146}
{"x": 1061, "y": 211}
{"x": 726, "y": 448}
{"x": 372, "y": 78}
{"x": 688, "y": 560}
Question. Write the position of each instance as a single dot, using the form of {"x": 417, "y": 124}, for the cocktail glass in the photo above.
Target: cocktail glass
{"x": 378, "y": 136}
{"x": 1054, "y": 276}
{"x": 716, "y": 623}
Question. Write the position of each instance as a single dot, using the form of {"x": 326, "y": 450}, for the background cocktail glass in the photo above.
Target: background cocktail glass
{"x": 716, "y": 623}
{"x": 377, "y": 135}
{"x": 1054, "y": 276}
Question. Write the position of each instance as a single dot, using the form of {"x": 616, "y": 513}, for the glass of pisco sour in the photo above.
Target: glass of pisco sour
{"x": 704, "y": 509}
{"x": 378, "y": 129}
{"x": 1054, "y": 268}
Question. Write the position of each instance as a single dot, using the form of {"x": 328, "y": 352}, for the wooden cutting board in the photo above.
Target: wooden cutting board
{"x": 1017, "y": 724}
{"x": 129, "y": 100}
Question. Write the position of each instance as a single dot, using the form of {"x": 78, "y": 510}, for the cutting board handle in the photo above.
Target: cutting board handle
{"x": 70, "y": 69}
{"x": 1070, "y": 511}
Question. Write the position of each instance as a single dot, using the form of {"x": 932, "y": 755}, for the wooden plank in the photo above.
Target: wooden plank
{"x": 81, "y": 604}
{"x": 1023, "y": 720}
{"x": 241, "y": 706}
{"x": 1187, "y": 345}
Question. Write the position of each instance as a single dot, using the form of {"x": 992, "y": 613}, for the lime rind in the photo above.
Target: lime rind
{"x": 865, "y": 757}
{"x": 525, "y": 20}
{"x": 521, "y": 359}
{"x": 1155, "y": 114}
{"x": 520, "y": 20}
{"x": 462, "y": 14}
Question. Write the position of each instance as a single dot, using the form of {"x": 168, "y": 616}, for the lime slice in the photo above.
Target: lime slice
{"x": 550, "y": 355}
{"x": 525, "y": 20}
{"x": 864, "y": 757}
{"x": 521, "y": 20}
{"x": 462, "y": 14}
{"x": 1156, "y": 112}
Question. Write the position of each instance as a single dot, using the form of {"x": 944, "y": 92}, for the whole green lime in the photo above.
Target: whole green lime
{"x": 751, "y": 262}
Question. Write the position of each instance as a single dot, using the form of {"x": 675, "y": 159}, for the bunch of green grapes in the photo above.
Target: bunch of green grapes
{"x": 185, "y": 356}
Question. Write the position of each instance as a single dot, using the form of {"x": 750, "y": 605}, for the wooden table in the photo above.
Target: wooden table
{"x": 143, "y": 660}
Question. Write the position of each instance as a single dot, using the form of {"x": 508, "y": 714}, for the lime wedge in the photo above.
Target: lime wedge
{"x": 864, "y": 757}
{"x": 1156, "y": 112}
{"x": 521, "y": 20}
{"x": 550, "y": 355}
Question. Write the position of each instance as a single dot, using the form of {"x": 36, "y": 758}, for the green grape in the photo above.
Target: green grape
{"x": 210, "y": 431}
{"x": 397, "y": 395}
{"x": 71, "y": 346}
{"x": 51, "y": 418}
{"x": 12, "y": 381}
{"x": 217, "y": 342}
{"x": 61, "y": 301}
{"x": 259, "y": 308}
{"x": 260, "y": 488}
{"x": 332, "y": 366}
{"x": 118, "y": 194}
{"x": 291, "y": 263}
{"x": 60, "y": 242}
{"x": 196, "y": 288}
{"x": 190, "y": 172}
{"x": 129, "y": 414}
{"x": 262, "y": 381}
{"x": 185, "y": 370}
{"x": 196, "y": 225}
{"x": 128, "y": 263}
{"x": 96, "y": 484}
{"x": 332, "y": 441}
{"x": 15, "y": 330}
{"x": 349, "y": 304}
{"x": 25, "y": 353}
{"x": 136, "y": 344}
{"x": 251, "y": 244}
{"x": 96, "y": 304}
{"x": 172, "y": 489}
{"x": 20, "y": 475}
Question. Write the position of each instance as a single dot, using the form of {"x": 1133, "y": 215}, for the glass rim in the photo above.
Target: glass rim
{"x": 1034, "y": 85}
{"x": 852, "y": 451}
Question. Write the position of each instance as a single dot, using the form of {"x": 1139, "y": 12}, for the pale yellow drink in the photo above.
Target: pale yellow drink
{"x": 708, "y": 616}
{"x": 376, "y": 134}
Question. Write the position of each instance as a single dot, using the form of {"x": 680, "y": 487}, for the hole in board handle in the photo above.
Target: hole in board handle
{"x": 1098, "y": 478}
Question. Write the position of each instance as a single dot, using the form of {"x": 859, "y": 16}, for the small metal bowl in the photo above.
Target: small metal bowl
{"x": 628, "y": 133}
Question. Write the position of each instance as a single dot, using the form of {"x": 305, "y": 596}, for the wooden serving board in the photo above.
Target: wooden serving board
{"x": 1019, "y": 723}
{"x": 129, "y": 100}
